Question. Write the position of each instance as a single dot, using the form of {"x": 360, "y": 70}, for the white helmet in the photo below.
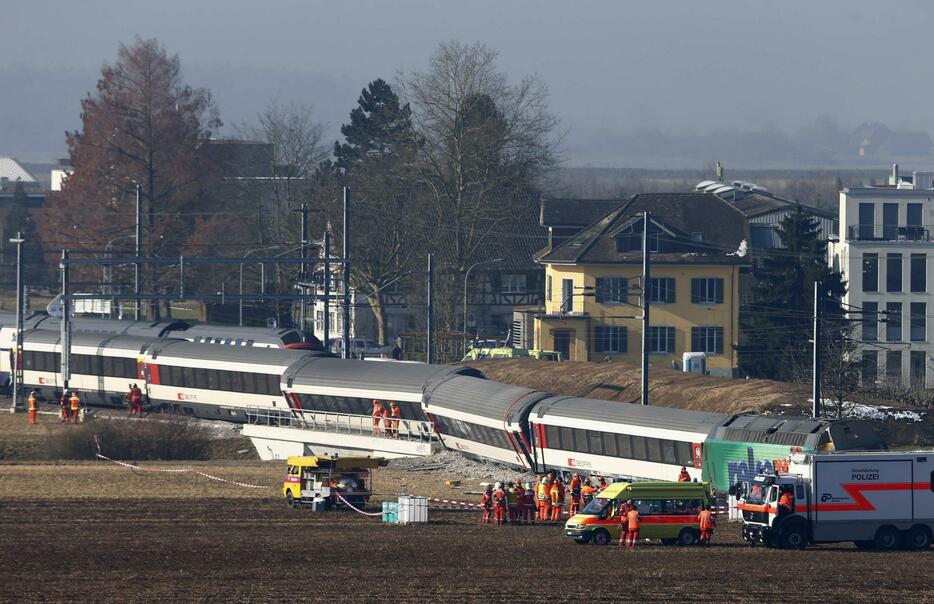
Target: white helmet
{"x": 499, "y": 485}
{"x": 528, "y": 485}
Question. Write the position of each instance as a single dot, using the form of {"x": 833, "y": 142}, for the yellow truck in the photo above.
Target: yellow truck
{"x": 327, "y": 482}
{"x": 668, "y": 511}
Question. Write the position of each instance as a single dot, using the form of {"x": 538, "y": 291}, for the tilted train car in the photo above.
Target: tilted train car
{"x": 351, "y": 386}
{"x": 484, "y": 419}
{"x": 622, "y": 440}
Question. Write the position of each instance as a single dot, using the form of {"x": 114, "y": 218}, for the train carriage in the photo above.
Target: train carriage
{"x": 484, "y": 419}
{"x": 623, "y": 440}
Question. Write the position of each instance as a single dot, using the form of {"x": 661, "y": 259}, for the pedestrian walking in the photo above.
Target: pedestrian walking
{"x": 707, "y": 523}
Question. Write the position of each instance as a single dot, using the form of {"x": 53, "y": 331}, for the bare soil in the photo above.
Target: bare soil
{"x": 235, "y": 549}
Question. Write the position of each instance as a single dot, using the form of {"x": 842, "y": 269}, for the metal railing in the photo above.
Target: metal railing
{"x": 888, "y": 232}
{"x": 342, "y": 423}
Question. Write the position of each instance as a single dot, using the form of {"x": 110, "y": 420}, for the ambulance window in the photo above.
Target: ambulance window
{"x": 799, "y": 491}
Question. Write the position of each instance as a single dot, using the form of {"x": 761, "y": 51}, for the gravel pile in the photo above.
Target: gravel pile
{"x": 452, "y": 462}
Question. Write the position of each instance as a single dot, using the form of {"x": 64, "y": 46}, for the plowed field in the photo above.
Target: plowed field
{"x": 259, "y": 550}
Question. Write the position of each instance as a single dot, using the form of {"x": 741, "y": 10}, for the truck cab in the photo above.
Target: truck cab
{"x": 326, "y": 482}
{"x": 766, "y": 521}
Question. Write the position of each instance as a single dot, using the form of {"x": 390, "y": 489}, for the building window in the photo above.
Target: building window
{"x": 513, "y": 283}
{"x": 890, "y": 221}
{"x": 870, "y": 321}
{"x": 893, "y": 321}
{"x": 918, "y": 321}
{"x": 914, "y": 230}
{"x": 870, "y": 272}
{"x": 707, "y": 291}
{"x": 609, "y": 339}
{"x": 870, "y": 367}
{"x": 612, "y": 290}
{"x": 661, "y": 340}
{"x": 662, "y": 290}
{"x": 918, "y": 368}
{"x": 893, "y": 366}
{"x": 893, "y": 272}
{"x": 707, "y": 339}
{"x": 919, "y": 271}
{"x": 567, "y": 295}
{"x": 866, "y": 227}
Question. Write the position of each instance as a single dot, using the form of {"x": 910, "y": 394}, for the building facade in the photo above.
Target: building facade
{"x": 885, "y": 253}
{"x": 593, "y": 288}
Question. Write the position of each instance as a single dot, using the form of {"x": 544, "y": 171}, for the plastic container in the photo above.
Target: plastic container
{"x": 390, "y": 512}
{"x": 413, "y": 510}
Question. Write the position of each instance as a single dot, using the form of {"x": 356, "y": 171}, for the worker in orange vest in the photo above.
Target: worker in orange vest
{"x": 707, "y": 523}
{"x": 387, "y": 423}
{"x": 683, "y": 476}
{"x": 75, "y": 403}
{"x": 587, "y": 491}
{"x": 33, "y": 407}
{"x": 377, "y": 414}
{"x": 486, "y": 504}
{"x": 63, "y": 402}
{"x": 396, "y": 415}
{"x": 544, "y": 499}
{"x": 557, "y": 499}
{"x": 622, "y": 512}
{"x": 575, "y": 488}
{"x": 786, "y": 504}
{"x": 135, "y": 397}
{"x": 601, "y": 484}
{"x": 632, "y": 526}
{"x": 499, "y": 504}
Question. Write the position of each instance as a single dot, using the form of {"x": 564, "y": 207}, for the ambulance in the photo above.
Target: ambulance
{"x": 878, "y": 500}
{"x": 668, "y": 511}
{"x": 326, "y": 482}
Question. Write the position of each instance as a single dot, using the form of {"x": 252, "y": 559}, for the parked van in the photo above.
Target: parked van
{"x": 669, "y": 512}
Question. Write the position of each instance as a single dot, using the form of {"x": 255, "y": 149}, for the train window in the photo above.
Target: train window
{"x": 609, "y": 444}
{"x": 186, "y": 378}
{"x": 291, "y": 337}
{"x": 566, "y": 439}
{"x": 668, "y": 452}
{"x": 213, "y": 377}
{"x": 236, "y": 381}
{"x": 223, "y": 380}
{"x": 683, "y": 451}
{"x": 108, "y": 365}
{"x": 273, "y": 384}
{"x": 653, "y": 446}
{"x": 638, "y": 447}
{"x": 552, "y": 440}
{"x": 594, "y": 442}
{"x": 624, "y": 446}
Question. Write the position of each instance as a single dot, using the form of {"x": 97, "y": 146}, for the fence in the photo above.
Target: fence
{"x": 342, "y": 423}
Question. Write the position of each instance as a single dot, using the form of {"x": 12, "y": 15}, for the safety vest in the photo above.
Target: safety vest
{"x": 542, "y": 492}
{"x": 632, "y": 520}
{"x": 32, "y": 403}
{"x": 499, "y": 498}
{"x": 75, "y": 402}
{"x": 136, "y": 395}
{"x": 707, "y": 520}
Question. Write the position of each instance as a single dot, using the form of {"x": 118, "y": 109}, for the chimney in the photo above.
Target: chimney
{"x": 895, "y": 174}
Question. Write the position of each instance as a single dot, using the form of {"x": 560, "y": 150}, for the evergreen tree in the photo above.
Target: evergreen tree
{"x": 20, "y": 220}
{"x": 778, "y": 326}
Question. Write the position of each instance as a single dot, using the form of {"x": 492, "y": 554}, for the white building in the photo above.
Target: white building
{"x": 886, "y": 254}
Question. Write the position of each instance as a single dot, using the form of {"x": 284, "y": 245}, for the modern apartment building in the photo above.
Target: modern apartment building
{"x": 885, "y": 252}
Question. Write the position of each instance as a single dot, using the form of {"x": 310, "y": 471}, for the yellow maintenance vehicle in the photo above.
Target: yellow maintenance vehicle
{"x": 326, "y": 482}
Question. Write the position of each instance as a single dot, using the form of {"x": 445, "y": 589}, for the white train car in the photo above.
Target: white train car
{"x": 484, "y": 419}
{"x": 217, "y": 382}
{"x": 102, "y": 366}
{"x": 350, "y": 386}
{"x": 621, "y": 440}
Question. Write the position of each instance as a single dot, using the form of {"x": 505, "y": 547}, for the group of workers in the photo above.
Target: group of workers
{"x": 543, "y": 501}
{"x": 389, "y": 417}
{"x": 70, "y": 404}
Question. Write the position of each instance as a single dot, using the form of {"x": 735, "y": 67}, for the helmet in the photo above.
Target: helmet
{"x": 393, "y": 404}
{"x": 511, "y": 483}
{"x": 528, "y": 485}
{"x": 499, "y": 485}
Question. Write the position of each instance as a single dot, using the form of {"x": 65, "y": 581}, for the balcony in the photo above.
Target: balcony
{"x": 888, "y": 232}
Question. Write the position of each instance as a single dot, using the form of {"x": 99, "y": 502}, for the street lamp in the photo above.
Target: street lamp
{"x": 265, "y": 247}
{"x": 466, "y": 275}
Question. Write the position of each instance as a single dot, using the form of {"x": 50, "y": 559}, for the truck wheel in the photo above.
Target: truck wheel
{"x": 289, "y": 499}
{"x": 887, "y": 538}
{"x": 794, "y": 537}
{"x": 687, "y": 537}
{"x": 600, "y": 537}
{"x": 918, "y": 537}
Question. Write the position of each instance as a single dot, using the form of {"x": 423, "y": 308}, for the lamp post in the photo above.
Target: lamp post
{"x": 466, "y": 275}
{"x": 245, "y": 256}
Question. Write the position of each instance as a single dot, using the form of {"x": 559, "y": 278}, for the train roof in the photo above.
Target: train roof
{"x": 263, "y": 335}
{"x": 133, "y": 344}
{"x": 485, "y": 398}
{"x": 154, "y": 329}
{"x": 798, "y": 431}
{"x": 175, "y": 349}
{"x": 615, "y": 412}
{"x": 410, "y": 378}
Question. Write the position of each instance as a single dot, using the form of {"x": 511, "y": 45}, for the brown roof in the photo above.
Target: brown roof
{"x": 679, "y": 216}
{"x": 575, "y": 212}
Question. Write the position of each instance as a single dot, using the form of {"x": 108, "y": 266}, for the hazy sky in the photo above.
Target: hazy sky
{"x": 612, "y": 66}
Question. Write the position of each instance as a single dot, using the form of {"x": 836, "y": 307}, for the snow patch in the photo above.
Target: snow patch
{"x": 742, "y": 251}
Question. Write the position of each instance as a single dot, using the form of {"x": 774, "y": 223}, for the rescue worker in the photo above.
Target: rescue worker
{"x": 557, "y": 499}
{"x": 512, "y": 501}
{"x": 63, "y": 401}
{"x": 529, "y": 505}
{"x": 632, "y": 526}
{"x": 601, "y": 484}
{"x": 587, "y": 491}
{"x": 707, "y": 523}
{"x": 136, "y": 400}
{"x": 377, "y": 414}
{"x": 499, "y": 503}
{"x": 786, "y": 503}
{"x": 33, "y": 403}
{"x": 575, "y": 488}
{"x": 75, "y": 404}
{"x": 396, "y": 413}
{"x": 683, "y": 476}
{"x": 544, "y": 500}
{"x": 387, "y": 423}
{"x": 623, "y": 513}
{"x": 486, "y": 504}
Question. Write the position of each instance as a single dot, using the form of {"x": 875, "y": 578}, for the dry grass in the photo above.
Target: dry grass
{"x": 619, "y": 381}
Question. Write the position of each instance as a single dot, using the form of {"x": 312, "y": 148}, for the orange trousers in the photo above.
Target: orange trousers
{"x": 499, "y": 513}
{"x": 632, "y": 537}
{"x": 485, "y": 518}
{"x": 556, "y": 511}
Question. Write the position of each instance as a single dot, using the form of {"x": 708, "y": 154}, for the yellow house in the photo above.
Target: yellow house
{"x": 593, "y": 290}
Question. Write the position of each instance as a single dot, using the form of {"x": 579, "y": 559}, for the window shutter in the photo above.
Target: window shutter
{"x": 719, "y": 288}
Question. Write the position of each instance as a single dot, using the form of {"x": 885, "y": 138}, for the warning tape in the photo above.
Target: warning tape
{"x": 451, "y": 503}
{"x": 356, "y": 509}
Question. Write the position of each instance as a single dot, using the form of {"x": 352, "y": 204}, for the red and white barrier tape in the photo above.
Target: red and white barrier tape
{"x": 450, "y": 503}
{"x": 356, "y": 509}
{"x": 183, "y": 471}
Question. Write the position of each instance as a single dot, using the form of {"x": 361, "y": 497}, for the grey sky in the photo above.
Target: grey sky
{"x": 613, "y": 67}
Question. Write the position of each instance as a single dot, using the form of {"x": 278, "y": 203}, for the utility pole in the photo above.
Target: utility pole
{"x": 17, "y": 369}
{"x": 327, "y": 289}
{"x": 346, "y": 275}
{"x": 818, "y": 312}
{"x": 302, "y": 272}
{"x": 429, "y": 329}
{"x": 139, "y": 250}
{"x": 66, "y": 325}
{"x": 646, "y": 294}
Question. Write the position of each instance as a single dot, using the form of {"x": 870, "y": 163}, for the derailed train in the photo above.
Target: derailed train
{"x": 509, "y": 424}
